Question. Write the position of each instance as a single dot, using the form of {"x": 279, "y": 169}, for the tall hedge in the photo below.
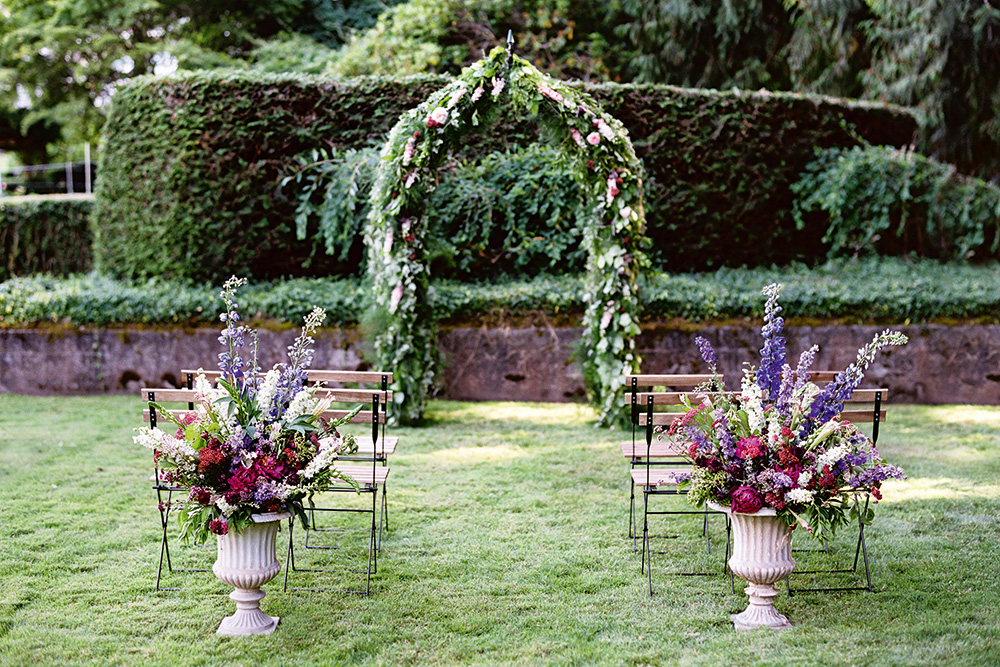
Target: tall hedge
{"x": 191, "y": 166}
{"x": 45, "y": 234}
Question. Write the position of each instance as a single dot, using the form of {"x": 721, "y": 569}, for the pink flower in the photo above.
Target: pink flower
{"x": 438, "y": 117}
{"x": 498, "y": 85}
{"x": 411, "y": 148}
{"x": 395, "y": 297}
{"x": 551, "y": 94}
{"x": 612, "y": 187}
{"x": 604, "y": 129}
{"x": 476, "y": 94}
{"x": 411, "y": 178}
{"x": 593, "y": 138}
{"x": 577, "y": 137}
{"x": 746, "y": 500}
{"x": 749, "y": 448}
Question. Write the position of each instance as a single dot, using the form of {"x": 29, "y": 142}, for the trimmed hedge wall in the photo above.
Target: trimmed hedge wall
{"x": 45, "y": 234}
{"x": 874, "y": 290}
{"x": 191, "y": 167}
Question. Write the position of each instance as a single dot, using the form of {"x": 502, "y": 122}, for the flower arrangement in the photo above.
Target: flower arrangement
{"x": 779, "y": 442}
{"x": 256, "y": 443}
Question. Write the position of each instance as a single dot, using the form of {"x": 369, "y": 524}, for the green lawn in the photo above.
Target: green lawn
{"x": 508, "y": 546}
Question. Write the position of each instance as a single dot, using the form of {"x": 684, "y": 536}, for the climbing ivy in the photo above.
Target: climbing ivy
{"x": 597, "y": 149}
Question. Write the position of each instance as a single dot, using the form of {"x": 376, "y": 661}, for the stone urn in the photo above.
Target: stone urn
{"x": 762, "y": 555}
{"x": 246, "y": 561}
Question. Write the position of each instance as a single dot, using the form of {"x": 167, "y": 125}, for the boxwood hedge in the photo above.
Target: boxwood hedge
{"x": 192, "y": 165}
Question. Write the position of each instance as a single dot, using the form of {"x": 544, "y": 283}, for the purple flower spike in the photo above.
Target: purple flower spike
{"x": 707, "y": 353}
{"x": 773, "y": 352}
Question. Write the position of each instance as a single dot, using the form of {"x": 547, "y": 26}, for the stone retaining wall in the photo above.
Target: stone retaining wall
{"x": 941, "y": 364}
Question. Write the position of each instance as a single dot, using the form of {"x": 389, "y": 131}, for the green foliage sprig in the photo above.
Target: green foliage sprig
{"x": 887, "y": 201}
{"x": 597, "y": 148}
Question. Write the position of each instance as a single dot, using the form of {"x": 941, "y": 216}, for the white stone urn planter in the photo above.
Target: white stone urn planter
{"x": 246, "y": 561}
{"x": 762, "y": 555}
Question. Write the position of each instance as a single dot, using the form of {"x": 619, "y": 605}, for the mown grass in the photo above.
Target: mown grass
{"x": 507, "y": 546}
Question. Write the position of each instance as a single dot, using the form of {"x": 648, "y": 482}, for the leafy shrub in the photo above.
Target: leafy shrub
{"x": 507, "y": 213}
{"x": 50, "y": 234}
{"x": 199, "y": 157}
{"x": 889, "y": 290}
{"x": 890, "y": 202}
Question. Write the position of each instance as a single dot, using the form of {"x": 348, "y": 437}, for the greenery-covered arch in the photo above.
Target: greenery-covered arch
{"x": 597, "y": 148}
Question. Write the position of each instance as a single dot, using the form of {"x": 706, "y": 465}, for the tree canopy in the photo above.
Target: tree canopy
{"x": 61, "y": 60}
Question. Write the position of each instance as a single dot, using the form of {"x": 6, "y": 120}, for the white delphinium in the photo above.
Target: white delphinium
{"x": 301, "y": 404}
{"x": 753, "y": 402}
{"x": 268, "y": 389}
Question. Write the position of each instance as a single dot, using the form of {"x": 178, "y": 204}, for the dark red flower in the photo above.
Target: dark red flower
{"x": 200, "y": 495}
{"x": 746, "y": 499}
{"x": 218, "y": 526}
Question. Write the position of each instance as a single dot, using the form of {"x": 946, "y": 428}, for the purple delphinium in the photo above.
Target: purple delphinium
{"x": 241, "y": 374}
{"x": 805, "y": 364}
{"x": 300, "y": 355}
{"x": 773, "y": 353}
{"x": 726, "y": 444}
{"x": 830, "y": 401}
{"x": 707, "y": 353}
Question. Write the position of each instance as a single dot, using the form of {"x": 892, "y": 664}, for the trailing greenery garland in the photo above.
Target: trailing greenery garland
{"x": 605, "y": 165}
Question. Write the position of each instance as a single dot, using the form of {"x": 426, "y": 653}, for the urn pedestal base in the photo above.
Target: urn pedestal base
{"x": 246, "y": 561}
{"x": 762, "y": 555}
{"x": 248, "y": 619}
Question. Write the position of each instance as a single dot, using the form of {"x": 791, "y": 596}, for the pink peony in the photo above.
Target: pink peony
{"x": 746, "y": 500}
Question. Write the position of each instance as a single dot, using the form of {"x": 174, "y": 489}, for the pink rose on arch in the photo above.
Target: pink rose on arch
{"x": 438, "y": 117}
{"x": 746, "y": 500}
{"x": 593, "y": 138}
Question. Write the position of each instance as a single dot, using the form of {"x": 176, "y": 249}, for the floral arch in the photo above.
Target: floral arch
{"x": 598, "y": 149}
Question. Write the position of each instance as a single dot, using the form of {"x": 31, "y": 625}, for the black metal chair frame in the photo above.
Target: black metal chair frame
{"x": 648, "y": 491}
{"x": 163, "y": 504}
{"x": 861, "y": 547}
{"x": 378, "y": 514}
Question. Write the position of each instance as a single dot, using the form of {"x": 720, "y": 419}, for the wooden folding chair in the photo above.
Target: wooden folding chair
{"x": 657, "y": 469}
{"x": 864, "y": 406}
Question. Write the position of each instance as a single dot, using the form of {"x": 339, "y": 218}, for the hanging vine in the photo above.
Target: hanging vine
{"x": 597, "y": 148}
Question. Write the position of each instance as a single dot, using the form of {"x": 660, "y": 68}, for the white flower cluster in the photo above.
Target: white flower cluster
{"x": 753, "y": 401}
{"x": 168, "y": 445}
{"x": 323, "y": 460}
{"x": 268, "y": 389}
{"x": 831, "y": 457}
{"x": 796, "y": 496}
{"x": 302, "y": 404}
